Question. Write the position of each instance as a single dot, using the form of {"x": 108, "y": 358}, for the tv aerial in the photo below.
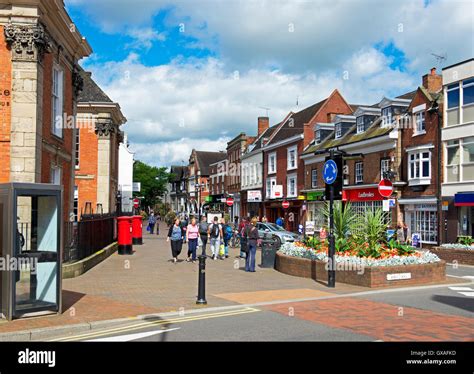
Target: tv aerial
{"x": 440, "y": 58}
{"x": 265, "y": 108}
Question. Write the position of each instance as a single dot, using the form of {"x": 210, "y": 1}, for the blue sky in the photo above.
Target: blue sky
{"x": 192, "y": 74}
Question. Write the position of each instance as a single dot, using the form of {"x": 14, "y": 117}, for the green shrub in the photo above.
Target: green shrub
{"x": 465, "y": 240}
{"x": 345, "y": 219}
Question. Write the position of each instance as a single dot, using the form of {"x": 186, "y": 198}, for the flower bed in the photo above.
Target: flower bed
{"x": 388, "y": 269}
{"x": 456, "y": 253}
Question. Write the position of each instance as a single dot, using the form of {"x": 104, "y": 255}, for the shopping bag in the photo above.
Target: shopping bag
{"x": 199, "y": 242}
{"x": 221, "y": 250}
{"x": 148, "y": 228}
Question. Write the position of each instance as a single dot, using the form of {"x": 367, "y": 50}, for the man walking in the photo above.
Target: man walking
{"x": 151, "y": 222}
{"x": 215, "y": 235}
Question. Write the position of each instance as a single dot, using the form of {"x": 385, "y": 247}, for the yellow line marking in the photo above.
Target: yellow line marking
{"x": 157, "y": 323}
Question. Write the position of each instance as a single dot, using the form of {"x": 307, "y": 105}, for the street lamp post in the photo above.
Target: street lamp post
{"x": 198, "y": 197}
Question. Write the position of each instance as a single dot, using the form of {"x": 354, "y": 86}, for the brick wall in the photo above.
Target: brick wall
{"x": 373, "y": 277}
{"x": 88, "y": 153}
{"x": 408, "y": 140}
{"x": 63, "y": 145}
{"x": 5, "y": 108}
{"x": 452, "y": 255}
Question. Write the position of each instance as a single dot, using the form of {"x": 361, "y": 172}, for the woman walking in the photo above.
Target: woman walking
{"x": 252, "y": 239}
{"x": 175, "y": 235}
{"x": 192, "y": 234}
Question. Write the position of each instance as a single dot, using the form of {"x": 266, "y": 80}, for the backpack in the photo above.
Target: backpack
{"x": 214, "y": 230}
{"x": 203, "y": 226}
{"x": 228, "y": 232}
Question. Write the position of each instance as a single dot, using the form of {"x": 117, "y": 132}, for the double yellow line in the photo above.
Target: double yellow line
{"x": 139, "y": 326}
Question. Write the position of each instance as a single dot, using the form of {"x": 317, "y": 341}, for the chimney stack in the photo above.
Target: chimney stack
{"x": 432, "y": 81}
{"x": 263, "y": 125}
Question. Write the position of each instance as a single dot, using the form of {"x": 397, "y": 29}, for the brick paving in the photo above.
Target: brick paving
{"x": 380, "y": 320}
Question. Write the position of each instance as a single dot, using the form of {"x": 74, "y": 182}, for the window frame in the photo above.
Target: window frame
{"x": 387, "y": 119}
{"x": 338, "y": 130}
{"x": 359, "y": 172}
{"x": 57, "y": 101}
{"x": 360, "y": 121}
{"x": 417, "y": 159}
{"x": 419, "y": 118}
{"x": 289, "y": 150}
{"x": 290, "y": 178}
{"x": 314, "y": 178}
{"x": 383, "y": 160}
{"x": 270, "y": 157}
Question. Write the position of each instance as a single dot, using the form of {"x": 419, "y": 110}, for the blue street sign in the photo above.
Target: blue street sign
{"x": 330, "y": 172}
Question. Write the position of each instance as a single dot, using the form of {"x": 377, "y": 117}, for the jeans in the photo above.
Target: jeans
{"x": 192, "y": 246}
{"x": 215, "y": 246}
{"x": 226, "y": 246}
{"x": 204, "y": 243}
{"x": 243, "y": 247}
{"x": 152, "y": 227}
{"x": 250, "y": 259}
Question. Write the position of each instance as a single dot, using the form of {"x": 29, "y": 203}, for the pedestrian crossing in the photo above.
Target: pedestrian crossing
{"x": 465, "y": 291}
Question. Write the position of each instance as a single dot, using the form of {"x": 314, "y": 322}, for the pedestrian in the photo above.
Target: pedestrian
{"x": 405, "y": 232}
{"x": 228, "y": 233}
{"x": 243, "y": 239}
{"x": 279, "y": 222}
{"x": 400, "y": 233}
{"x": 215, "y": 235}
{"x": 192, "y": 234}
{"x": 151, "y": 222}
{"x": 264, "y": 219}
{"x": 203, "y": 233}
{"x": 184, "y": 226}
{"x": 176, "y": 236}
{"x": 251, "y": 234}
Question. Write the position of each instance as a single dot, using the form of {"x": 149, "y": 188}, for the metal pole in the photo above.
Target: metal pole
{"x": 202, "y": 281}
{"x": 332, "y": 249}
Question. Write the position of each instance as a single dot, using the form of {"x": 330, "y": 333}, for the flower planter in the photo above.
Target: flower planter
{"x": 369, "y": 276}
{"x": 453, "y": 255}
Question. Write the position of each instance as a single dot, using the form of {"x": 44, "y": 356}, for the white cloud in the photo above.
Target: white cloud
{"x": 199, "y": 103}
{"x": 144, "y": 37}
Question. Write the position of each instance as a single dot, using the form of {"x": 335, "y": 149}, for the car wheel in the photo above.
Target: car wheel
{"x": 278, "y": 241}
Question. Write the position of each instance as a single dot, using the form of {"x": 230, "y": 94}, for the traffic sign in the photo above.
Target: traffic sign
{"x": 136, "y": 203}
{"x": 230, "y": 201}
{"x": 285, "y": 204}
{"x": 385, "y": 188}
{"x": 330, "y": 172}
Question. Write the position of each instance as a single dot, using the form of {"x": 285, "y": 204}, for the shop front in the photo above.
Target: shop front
{"x": 292, "y": 216}
{"x": 363, "y": 199}
{"x": 421, "y": 217}
{"x": 252, "y": 206}
{"x": 316, "y": 203}
{"x": 464, "y": 203}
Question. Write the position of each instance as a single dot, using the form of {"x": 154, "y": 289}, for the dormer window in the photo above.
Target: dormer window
{"x": 318, "y": 136}
{"x": 360, "y": 124}
{"x": 338, "y": 131}
{"x": 386, "y": 116}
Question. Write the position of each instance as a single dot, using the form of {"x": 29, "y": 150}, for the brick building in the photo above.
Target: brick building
{"x": 283, "y": 168}
{"x": 177, "y": 188}
{"x": 235, "y": 149}
{"x": 39, "y": 81}
{"x": 96, "y": 150}
{"x": 420, "y": 162}
{"x": 197, "y": 182}
{"x": 218, "y": 185}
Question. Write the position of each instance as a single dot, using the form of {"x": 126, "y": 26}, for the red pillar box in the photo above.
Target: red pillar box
{"x": 124, "y": 235}
{"x": 137, "y": 230}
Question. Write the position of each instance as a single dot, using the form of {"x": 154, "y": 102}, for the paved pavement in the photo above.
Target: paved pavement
{"x": 149, "y": 283}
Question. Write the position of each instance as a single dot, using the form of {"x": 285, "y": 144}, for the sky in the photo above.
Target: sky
{"x": 194, "y": 74}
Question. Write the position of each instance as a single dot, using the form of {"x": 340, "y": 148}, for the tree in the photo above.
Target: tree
{"x": 153, "y": 181}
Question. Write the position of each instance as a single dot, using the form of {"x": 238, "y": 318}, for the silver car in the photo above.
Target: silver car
{"x": 279, "y": 232}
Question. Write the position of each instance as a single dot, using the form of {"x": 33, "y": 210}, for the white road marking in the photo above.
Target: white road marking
{"x": 469, "y": 276}
{"x": 130, "y": 337}
{"x": 461, "y": 288}
{"x": 470, "y": 294}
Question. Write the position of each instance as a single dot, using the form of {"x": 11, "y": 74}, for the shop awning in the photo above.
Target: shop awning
{"x": 464, "y": 199}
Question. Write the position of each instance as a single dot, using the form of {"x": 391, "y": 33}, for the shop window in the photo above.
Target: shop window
{"x": 424, "y": 223}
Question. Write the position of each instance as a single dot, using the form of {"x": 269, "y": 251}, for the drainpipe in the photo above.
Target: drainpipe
{"x": 436, "y": 110}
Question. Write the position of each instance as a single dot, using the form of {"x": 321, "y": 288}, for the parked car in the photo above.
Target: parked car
{"x": 279, "y": 232}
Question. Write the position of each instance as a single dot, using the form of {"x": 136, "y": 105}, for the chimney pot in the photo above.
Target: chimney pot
{"x": 433, "y": 71}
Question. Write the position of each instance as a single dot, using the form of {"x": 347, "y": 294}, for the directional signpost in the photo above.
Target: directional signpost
{"x": 330, "y": 174}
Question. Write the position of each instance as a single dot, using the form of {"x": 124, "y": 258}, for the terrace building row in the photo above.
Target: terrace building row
{"x": 422, "y": 140}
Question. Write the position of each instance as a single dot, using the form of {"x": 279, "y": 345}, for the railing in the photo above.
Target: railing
{"x": 91, "y": 234}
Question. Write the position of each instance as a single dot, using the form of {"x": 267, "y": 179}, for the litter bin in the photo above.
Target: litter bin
{"x": 269, "y": 250}
{"x": 125, "y": 246}
{"x": 137, "y": 230}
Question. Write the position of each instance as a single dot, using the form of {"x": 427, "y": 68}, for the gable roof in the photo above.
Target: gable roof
{"x": 298, "y": 120}
{"x": 205, "y": 159}
{"x": 178, "y": 172}
{"x": 91, "y": 92}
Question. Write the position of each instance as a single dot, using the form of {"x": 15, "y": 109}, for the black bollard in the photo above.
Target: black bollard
{"x": 202, "y": 281}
